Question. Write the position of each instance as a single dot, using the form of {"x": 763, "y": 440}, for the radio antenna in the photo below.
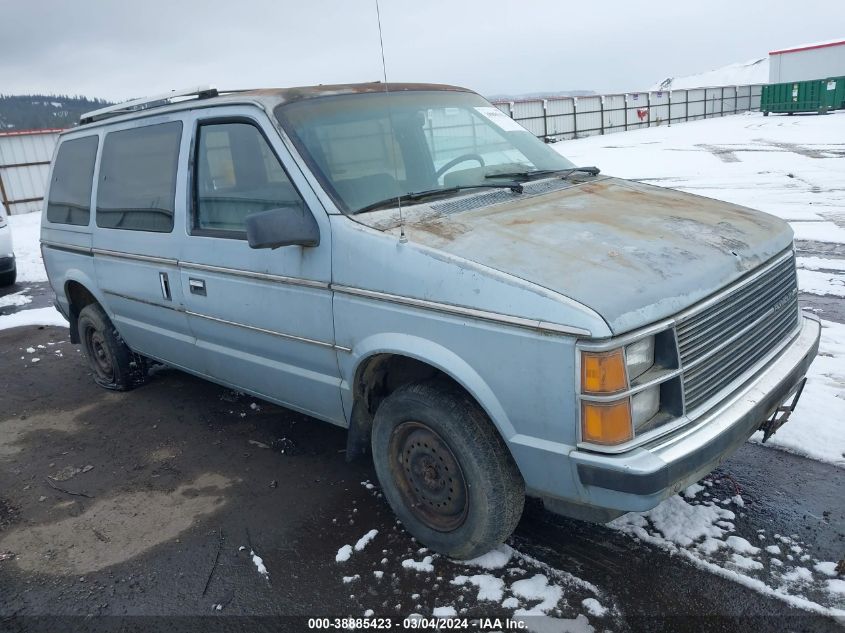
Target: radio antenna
{"x": 402, "y": 237}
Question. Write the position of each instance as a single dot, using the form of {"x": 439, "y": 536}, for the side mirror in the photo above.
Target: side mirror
{"x": 285, "y": 226}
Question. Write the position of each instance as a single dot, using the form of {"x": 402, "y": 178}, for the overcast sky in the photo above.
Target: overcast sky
{"x": 121, "y": 49}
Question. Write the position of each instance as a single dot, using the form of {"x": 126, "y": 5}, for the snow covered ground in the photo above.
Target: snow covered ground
{"x": 793, "y": 167}
{"x": 701, "y": 526}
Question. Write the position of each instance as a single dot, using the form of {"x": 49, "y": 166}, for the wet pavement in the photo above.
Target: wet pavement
{"x": 158, "y": 496}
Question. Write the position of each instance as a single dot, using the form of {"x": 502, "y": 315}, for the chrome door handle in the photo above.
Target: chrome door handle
{"x": 165, "y": 286}
{"x": 197, "y": 286}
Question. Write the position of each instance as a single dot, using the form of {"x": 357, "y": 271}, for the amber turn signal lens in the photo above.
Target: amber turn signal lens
{"x": 606, "y": 423}
{"x": 603, "y": 372}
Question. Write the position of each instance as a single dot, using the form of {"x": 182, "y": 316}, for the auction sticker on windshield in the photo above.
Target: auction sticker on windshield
{"x": 500, "y": 118}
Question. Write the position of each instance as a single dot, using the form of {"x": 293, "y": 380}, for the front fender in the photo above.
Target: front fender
{"x": 433, "y": 354}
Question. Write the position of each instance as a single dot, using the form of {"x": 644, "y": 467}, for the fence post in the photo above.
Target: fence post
{"x": 625, "y": 112}
{"x": 648, "y": 107}
{"x": 722, "y": 103}
{"x": 686, "y": 105}
{"x": 4, "y": 200}
{"x": 574, "y": 117}
{"x": 545, "y": 120}
{"x": 601, "y": 110}
{"x": 669, "y": 118}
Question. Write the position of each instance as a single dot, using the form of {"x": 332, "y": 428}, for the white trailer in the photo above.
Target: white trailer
{"x": 808, "y": 61}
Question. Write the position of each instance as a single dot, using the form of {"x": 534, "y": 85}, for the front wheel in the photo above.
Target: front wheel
{"x": 113, "y": 363}
{"x": 445, "y": 471}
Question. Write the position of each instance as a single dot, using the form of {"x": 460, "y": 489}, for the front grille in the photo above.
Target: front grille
{"x": 723, "y": 340}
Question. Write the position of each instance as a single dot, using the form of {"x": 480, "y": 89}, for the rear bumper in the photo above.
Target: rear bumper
{"x": 7, "y": 264}
{"x": 640, "y": 479}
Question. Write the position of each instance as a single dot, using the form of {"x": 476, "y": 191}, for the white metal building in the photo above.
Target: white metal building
{"x": 24, "y": 167}
{"x": 808, "y": 61}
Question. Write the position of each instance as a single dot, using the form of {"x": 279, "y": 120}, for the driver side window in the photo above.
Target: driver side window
{"x": 237, "y": 174}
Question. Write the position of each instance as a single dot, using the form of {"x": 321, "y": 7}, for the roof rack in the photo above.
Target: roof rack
{"x": 146, "y": 103}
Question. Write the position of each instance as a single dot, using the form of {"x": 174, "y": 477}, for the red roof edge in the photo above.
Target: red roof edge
{"x": 806, "y": 48}
{"x": 51, "y": 130}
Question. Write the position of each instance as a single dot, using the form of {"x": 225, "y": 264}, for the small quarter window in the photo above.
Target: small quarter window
{"x": 137, "y": 181}
{"x": 237, "y": 174}
{"x": 69, "y": 201}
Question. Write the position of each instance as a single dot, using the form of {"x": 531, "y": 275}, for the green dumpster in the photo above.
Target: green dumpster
{"x": 834, "y": 93}
{"x": 816, "y": 95}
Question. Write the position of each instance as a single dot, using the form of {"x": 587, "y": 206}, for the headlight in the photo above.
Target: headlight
{"x": 639, "y": 357}
{"x": 644, "y": 405}
{"x": 609, "y": 421}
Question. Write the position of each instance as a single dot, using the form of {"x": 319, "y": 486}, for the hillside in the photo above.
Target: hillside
{"x": 31, "y": 112}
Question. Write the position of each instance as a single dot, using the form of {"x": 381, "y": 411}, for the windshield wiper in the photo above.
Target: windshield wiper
{"x": 416, "y": 196}
{"x": 530, "y": 175}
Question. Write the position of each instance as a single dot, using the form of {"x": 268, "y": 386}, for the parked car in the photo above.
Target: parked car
{"x": 8, "y": 268}
{"x": 489, "y": 320}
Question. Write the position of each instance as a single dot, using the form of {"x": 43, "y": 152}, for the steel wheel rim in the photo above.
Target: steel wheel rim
{"x": 429, "y": 477}
{"x": 95, "y": 345}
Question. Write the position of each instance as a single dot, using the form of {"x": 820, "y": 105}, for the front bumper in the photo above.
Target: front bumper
{"x": 638, "y": 480}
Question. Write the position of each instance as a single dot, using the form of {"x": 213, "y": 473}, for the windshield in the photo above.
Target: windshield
{"x": 368, "y": 148}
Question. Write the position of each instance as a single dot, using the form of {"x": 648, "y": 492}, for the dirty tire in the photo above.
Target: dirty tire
{"x": 8, "y": 278}
{"x": 111, "y": 361}
{"x": 445, "y": 471}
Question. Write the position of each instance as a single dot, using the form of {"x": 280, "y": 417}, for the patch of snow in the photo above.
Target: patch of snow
{"x": 424, "y": 565}
{"x": 365, "y": 540}
{"x": 774, "y": 550}
{"x": 343, "y": 554}
{"x": 799, "y": 574}
{"x": 444, "y": 612}
{"x": 348, "y": 579}
{"x": 36, "y": 316}
{"x": 693, "y": 490}
{"x": 537, "y": 588}
{"x": 826, "y": 568}
{"x": 259, "y": 564}
{"x": 494, "y": 559}
{"x": 510, "y": 603}
{"x": 594, "y": 607}
{"x": 16, "y": 299}
{"x": 369, "y": 613}
{"x": 820, "y": 283}
{"x": 836, "y": 586}
{"x": 679, "y": 522}
{"x": 489, "y": 587}
{"x": 740, "y": 545}
{"x": 744, "y": 562}
{"x": 820, "y": 263}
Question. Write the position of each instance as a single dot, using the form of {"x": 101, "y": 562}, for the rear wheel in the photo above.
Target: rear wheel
{"x": 113, "y": 363}
{"x": 445, "y": 471}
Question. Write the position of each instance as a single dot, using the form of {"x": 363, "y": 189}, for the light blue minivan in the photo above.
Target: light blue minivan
{"x": 489, "y": 320}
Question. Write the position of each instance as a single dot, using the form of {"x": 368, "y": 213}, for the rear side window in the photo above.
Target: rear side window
{"x": 137, "y": 181}
{"x": 237, "y": 175}
{"x": 70, "y": 189}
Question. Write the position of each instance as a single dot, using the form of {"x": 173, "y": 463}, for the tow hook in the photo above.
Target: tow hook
{"x": 780, "y": 416}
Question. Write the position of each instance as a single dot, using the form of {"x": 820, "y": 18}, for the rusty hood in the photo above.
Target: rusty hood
{"x": 632, "y": 252}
